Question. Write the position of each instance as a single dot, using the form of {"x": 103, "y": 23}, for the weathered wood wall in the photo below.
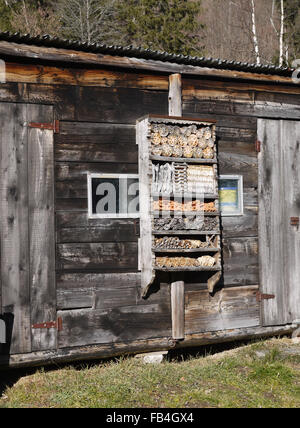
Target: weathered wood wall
{"x": 97, "y": 278}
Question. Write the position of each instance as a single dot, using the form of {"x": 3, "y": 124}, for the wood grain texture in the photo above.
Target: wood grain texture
{"x": 129, "y": 323}
{"x": 99, "y": 256}
{"x": 279, "y": 184}
{"x": 175, "y": 100}
{"x": 41, "y": 227}
{"x": 83, "y": 353}
{"x": 14, "y": 225}
{"x": 260, "y": 109}
{"x": 72, "y": 227}
{"x": 228, "y": 309}
{"x": 240, "y": 257}
{"x": 146, "y": 262}
{"x": 177, "y": 306}
{"x": 88, "y": 290}
{"x": 33, "y": 73}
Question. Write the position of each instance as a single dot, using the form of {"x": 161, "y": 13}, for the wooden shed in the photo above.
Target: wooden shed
{"x": 75, "y": 284}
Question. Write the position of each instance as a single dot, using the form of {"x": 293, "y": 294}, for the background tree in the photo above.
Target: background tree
{"x": 31, "y": 16}
{"x": 87, "y": 20}
{"x": 171, "y": 26}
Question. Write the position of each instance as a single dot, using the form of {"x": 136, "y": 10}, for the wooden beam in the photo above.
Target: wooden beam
{"x": 70, "y": 56}
{"x": 175, "y": 95}
{"x": 139, "y": 346}
{"x": 177, "y": 305}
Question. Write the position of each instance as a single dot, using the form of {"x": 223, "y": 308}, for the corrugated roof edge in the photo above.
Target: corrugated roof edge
{"x": 147, "y": 54}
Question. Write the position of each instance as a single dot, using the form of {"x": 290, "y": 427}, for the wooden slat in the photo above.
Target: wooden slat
{"x": 240, "y": 256}
{"x": 141, "y": 346}
{"x": 228, "y": 309}
{"x": 31, "y": 73}
{"x": 125, "y": 324}
{"x": 113, "y": 256}
{"x": 41, "y": 227}
{"x": 72, "y": 227}
{"x": 146, "y": 259}
{"x": 175, "y": 102}
{"x": 177, "y": 306}
{"x": 279, "y": 187}
{"x": 192, "y": 85}
{"x": 79, "y": 290}
{"x": 118, "y": 105}
{"x": 261, "y": 109}
{"x": 14, "y": 226}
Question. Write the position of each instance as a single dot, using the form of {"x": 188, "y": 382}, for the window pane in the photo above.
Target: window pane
{"x": 230, "y": 195}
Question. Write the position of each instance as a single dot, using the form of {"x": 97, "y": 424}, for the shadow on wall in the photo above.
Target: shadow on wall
{"x": 8, "y": 319}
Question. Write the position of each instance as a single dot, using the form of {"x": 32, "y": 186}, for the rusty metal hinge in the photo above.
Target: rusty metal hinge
{"x": 295, "y": 221}
{"x": 258, "y": 146}
{"x": 260, "y": 296}
{"x": 50, "y": 126}
{"x": 50, "y": 324}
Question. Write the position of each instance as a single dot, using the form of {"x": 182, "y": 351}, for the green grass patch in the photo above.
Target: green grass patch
{"x": 264, "y": 374}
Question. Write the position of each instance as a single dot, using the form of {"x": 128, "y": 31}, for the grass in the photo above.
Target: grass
{"x": 263, "y": 374}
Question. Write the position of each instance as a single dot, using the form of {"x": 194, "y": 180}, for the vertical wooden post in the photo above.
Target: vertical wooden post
{"x": 175, "y": 95}
{"x": 177, "y": 288}
{"x": 177, "y": 304}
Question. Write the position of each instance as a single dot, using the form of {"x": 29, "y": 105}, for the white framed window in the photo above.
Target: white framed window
{"x": 231, "y": 195}
{"x": 113, "y": 196}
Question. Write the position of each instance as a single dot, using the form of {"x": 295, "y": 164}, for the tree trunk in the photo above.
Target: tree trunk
{"x": 254, "y": 31}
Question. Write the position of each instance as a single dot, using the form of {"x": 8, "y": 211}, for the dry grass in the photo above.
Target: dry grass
{"x": 263, "y": 374}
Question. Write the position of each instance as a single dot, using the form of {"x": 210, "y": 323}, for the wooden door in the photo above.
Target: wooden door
{"x": 279, "y": 202}
{"x": 27, "y": 274}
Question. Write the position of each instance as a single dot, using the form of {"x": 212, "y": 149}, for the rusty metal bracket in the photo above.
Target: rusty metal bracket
{"x": 260, "y": 297}
{"x": 258, "y": 146}
{"x": 50, "y": 324}
{"x": 295, "y": 221}
{"x": 49, "y": 126}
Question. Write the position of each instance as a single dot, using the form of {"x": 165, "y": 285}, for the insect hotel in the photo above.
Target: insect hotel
{"x": 148, "y": 201}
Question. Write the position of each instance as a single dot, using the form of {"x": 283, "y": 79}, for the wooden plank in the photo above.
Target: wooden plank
{"x": 94, "y": 281}
{"x": 14, "y": 226}
{"x": 241, "y": 226}
{"x": 97, "y": 256}
{"x": 83, "y": 353}
{"x": 175, "y": 103}
{"x": 228, "y": 309}
{"x": 190, "y": 85}
{"x": 79, "y": 290}
{"x": 130, "y": 323}
{"x": 77, "y": 57}
{"x": 271, "y": 214}
{"x": 107, "y": 132}
{"x": 85, "y": 151}
{"x": 279, "y": 184}
{"x": 290, "y": 136}
{"x": 118, "y": 105}
{"x": 41, "y": 227}
{"x": 45, "y": 74}
{"x": 71, "y": 177}
{"x": 261, "y": 109}
{"x": 146, "y": 259}
{"x": 177, "y": 305}
{"x": 105, "y": 291}
{"x": 240, "y": 256}
{"x": 72, "y": 227}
